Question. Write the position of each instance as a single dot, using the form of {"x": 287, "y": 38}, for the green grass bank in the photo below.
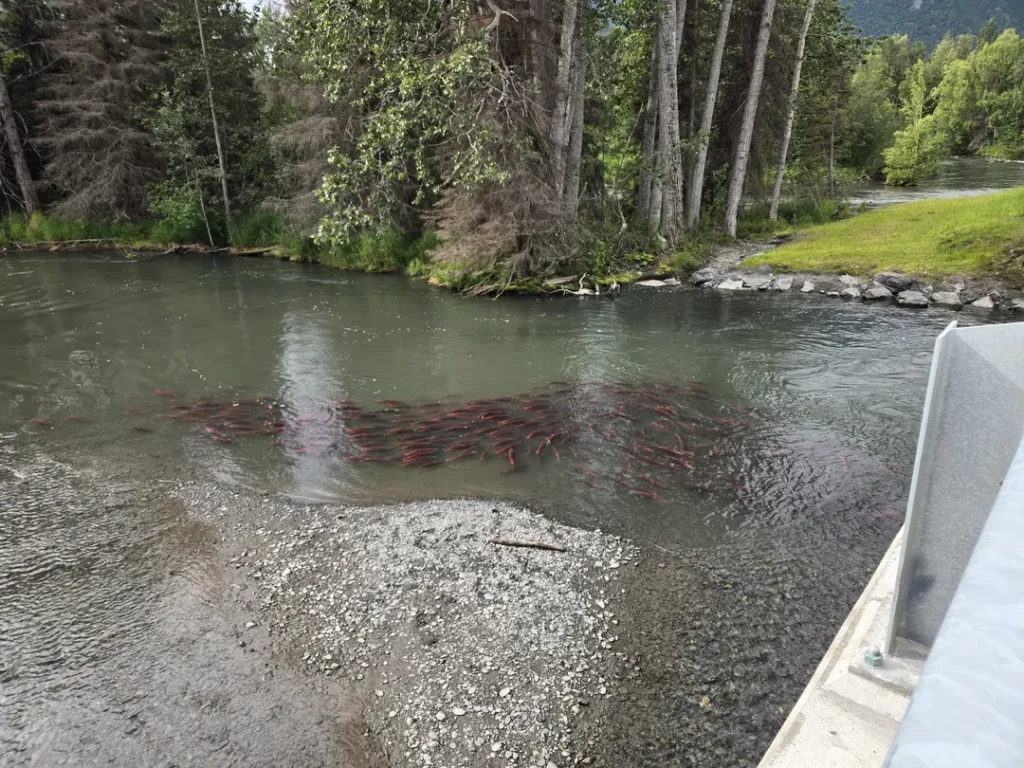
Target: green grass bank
{"x": 977, "y": 237}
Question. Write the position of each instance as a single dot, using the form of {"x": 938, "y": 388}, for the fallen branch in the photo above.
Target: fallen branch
{"x": 528, "y": 544}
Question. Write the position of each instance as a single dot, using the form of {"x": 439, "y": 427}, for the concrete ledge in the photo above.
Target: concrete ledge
{"x": 848, "y": 715}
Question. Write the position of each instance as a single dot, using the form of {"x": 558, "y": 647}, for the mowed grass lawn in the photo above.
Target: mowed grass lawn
{"x": 936, "y": 238}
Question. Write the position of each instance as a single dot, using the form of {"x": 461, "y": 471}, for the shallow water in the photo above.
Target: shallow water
{"x": 103, "y": 596}
{"x": 957, "y": 177}
{"x": 834, "y": 390}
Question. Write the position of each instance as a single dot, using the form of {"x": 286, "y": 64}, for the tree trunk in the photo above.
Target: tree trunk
{"x": 668, "y": 122}
{"x": 213, "y": 117}
{"x": 561, "y": 116}
{"x": 832, "y": 155}
{"x": 691, "y": 115}
{"x": 643, "y": 198}
{"x": 739, "y": 169}
{"x": 572, "y": 171}
{"x": 787, "y": 134}
{"x": 28, "y": 188}
{"x": 707, "y": 120}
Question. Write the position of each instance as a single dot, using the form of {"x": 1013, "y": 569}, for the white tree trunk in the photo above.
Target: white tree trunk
{"x": 794, "y": 93}
{"x": 669, "y": 158}
{"x": 738, "y": 176}
{"x": 29, "y": 195}
{"x": 213, "y": 116}
{"x": 707, "y": 120}
{"x": 561, "y": 116}
{"x": 572, "y": 171}
{"x": 643, "y": 198}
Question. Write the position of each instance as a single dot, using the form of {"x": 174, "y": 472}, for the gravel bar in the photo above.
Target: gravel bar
{"x": 462, "y": 651}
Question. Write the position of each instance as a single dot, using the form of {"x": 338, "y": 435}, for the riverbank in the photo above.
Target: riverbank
{"x": 977, "y": 238}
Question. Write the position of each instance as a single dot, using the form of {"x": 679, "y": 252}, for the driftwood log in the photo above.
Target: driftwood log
{"x": 528, "y": 544}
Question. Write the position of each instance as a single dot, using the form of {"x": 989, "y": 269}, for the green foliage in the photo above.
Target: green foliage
{"x": 180, "y": 214}
{"x": 183, "y": 125}
{"x": 379, "y": 252}
{"x": 257, "y": 230}
{"x": 413, "y": 68}
{"x": 52, "y": 229}
{"x": 793, "y": 214}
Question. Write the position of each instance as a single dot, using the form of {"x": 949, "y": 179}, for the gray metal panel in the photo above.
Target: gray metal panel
{"x": 973, "y": 424}
{"x": 968, "y": 709}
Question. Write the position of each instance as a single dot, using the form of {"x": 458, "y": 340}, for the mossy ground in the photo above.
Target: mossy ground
{"x": 978, "y": 237}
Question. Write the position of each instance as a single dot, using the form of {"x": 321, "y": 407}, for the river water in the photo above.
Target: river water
{"x": 957, "y": 177}
{"x": 801, "y": 415}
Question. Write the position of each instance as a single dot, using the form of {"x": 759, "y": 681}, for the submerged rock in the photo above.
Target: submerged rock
{"x": 912, "y": 299}
{"x": 850, "y": 293}
{"x": 782, "y": 283}
{"x": 652, "y": 283}
{"x": 703, "y": 276}
{"x": 808, "y": 287}
{"x": 895, "y": 283}
{"x": 758, "y": 282}
{"x": 876, "y": 292}
{"x": 947, "y": 299}
{"x": 985, "y": 302}
{"x": 730, "y": 285}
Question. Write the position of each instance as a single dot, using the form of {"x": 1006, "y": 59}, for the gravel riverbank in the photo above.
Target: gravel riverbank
{"x": 466, "y": 653}
{"x": 461, "y": 651}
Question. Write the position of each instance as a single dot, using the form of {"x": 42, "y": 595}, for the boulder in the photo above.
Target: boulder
{"x": 651, "y": 283}
{"x": 808, "y": 287}
{"x": 850, "y": 293}
{"x": 850, "y": 281}
{"x": 703, "y": 276}
{"x": 673, "y": 282}
{"x": 895, "y": 283}
{"x": 985, "y": 302}
{"x": 730, "y": 285}
{"x": 947, "y": 299}
{"x": 1017, "y": 305}
{"x": 782, "y": 283}
{"x": 758, "y": 282}
{"x": 911, "y": 299}
{"x": 876, "y": 292}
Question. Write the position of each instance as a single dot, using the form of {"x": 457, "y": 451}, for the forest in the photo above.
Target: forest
{"x": 481, "y": 145}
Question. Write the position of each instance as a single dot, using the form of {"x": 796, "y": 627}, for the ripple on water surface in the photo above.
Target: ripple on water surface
{"x": 834, "y": 390}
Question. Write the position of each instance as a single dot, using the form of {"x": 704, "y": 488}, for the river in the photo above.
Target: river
{"x": 802, "y": 416}
{"x": 957, "y": 177}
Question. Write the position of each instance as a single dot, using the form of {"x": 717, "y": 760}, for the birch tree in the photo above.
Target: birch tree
{"x": 794, "y": 95}
{"x": 708, "y": 118}
{"x": 29, "y": 196}
{"x": 561, "y": 114}
{"x": 575, "y": 157}
{"x": 213, "y": 117}
{"x": 667, "y": 181}
{"x": 643, "y": 201}
{"x": 738, "y": 173}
